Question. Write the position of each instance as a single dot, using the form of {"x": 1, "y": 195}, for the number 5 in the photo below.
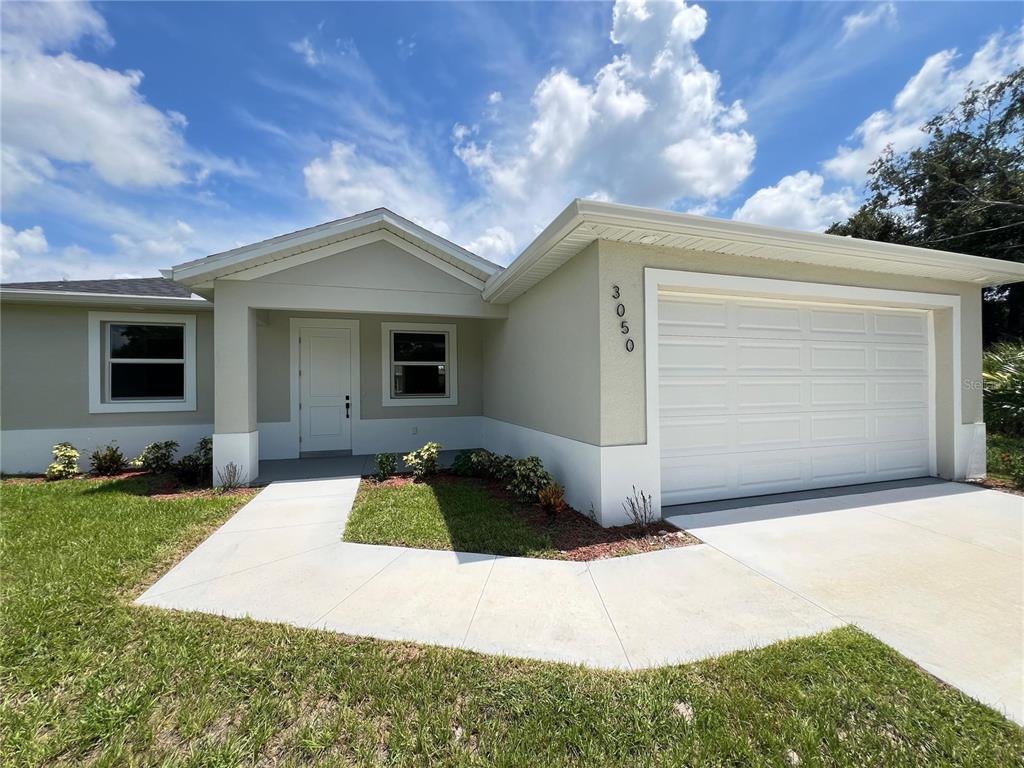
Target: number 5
{"x": 624, "y": 326}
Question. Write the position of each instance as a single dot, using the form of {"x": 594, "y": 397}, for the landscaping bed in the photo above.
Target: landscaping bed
{"x": 90, "y": 679}
{"x": 469, "y": 514}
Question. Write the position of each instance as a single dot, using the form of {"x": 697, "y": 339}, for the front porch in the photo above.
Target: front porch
{"x": 323, "y": 467}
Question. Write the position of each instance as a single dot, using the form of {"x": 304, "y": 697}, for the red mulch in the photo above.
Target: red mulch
{"x": 574, "y": 535}
{"x": 998, "y": 485}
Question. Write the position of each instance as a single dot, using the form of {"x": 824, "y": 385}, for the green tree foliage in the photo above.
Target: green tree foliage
{"x": 962, "y": 191}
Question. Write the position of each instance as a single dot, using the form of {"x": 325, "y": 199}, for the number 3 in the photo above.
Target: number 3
{"x": 615, "y": 291}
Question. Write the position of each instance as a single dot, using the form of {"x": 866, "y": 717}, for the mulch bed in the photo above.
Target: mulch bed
{"x": 996, "y": 484}
{"x": 575, "y": 535}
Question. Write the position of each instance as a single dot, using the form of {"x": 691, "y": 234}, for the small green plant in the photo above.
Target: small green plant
{"x": 526, "y": 477}
{"x": 423, "y": 462}
{"x": 1014, "y": 466}
{"x": 552, "y": 499}
{"x": 387, "y": 465}
{"x": 1003, "y": 377}
{"x": 108, "y": 460}
{"x": 196, "y": 468}
{"x": 157, "y": 458}
{"x": 65, "y": 462}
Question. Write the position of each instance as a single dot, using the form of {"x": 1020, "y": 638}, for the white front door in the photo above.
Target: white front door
{"x": 325, "y": 389}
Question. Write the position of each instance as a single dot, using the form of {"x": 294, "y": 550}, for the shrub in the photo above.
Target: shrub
{"x": 552, "y": 498}
{"x": 157, "y": 458}
{"x": 108, "y": 460}
{"x": 527, "y": 477}
{"x": 1003, "y": 377}
{"x": 65, "y": 462}
{"x": 464, "y": 465}
{"x": 639, "y": 508}
{"x": 1013, "y": 463}
{"x": 196, "y": 468}
{"x": 387, "y": 464}
{"x": 423, "y": 462}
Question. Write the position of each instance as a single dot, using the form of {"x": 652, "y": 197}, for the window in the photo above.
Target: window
{"x": 141, "y": 362}
{"x": 419, "y": 364}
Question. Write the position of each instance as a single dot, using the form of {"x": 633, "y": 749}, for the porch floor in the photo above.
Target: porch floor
{"x": 322, "y": 467}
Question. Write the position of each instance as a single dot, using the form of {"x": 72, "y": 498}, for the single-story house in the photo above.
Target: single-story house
{"x": 688, "y": 357}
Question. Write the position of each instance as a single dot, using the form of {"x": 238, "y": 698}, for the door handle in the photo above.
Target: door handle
{"x": 348, "y": 405}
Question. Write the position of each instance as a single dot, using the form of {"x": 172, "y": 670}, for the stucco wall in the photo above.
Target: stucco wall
{"x": 541, "y": 366}
{"x": 274, "y": 367}
{"x": 623, "y": 404}
{"x": 44, "y": 371}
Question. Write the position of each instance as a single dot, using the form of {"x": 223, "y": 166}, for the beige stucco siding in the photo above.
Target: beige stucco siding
{"x": 623, "y": 405}
{"x": 541, "y": 363}
{"x": 44, "y": 370}
{"x": 274, "y": 366}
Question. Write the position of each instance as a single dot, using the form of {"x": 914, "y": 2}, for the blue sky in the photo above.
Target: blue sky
{"x": 136, "y": 136}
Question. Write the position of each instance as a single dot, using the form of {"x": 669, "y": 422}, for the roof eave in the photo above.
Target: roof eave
{"x": 861, "y": 254}
{"x": 24, "y": 296}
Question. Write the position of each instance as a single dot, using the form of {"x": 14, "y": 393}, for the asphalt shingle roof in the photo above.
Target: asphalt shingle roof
{"x": 139, "y": 286}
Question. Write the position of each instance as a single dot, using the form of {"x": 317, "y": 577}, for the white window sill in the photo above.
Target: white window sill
{"x": 138, "y": 406}
{"x": 391, "y": 401}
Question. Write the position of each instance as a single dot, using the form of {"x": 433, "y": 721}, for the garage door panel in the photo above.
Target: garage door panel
{"x": 762, "y": 397}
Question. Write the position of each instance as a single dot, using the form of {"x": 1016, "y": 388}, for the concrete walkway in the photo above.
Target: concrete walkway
{"x": 281, "y": 558}
{"x": 934, "y": 570}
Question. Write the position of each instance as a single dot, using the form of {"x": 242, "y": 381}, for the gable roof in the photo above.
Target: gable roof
{"x": 585, "y": 221}
{"x": 285, "y": 248}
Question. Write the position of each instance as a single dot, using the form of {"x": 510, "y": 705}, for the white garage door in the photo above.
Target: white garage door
{"x": 760, "y": 396}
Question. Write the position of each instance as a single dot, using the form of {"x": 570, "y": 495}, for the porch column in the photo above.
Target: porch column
{"x": 235, "y": 438}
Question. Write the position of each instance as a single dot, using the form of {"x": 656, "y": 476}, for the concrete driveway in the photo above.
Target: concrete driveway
{"x": 936, "y": 571}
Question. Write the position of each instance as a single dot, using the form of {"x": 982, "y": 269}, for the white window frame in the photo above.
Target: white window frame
{"x": 99, "y": 361}
{"x": 451, "y": 363}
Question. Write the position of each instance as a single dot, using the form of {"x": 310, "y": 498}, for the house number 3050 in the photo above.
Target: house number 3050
{"x": 620, "y": 312}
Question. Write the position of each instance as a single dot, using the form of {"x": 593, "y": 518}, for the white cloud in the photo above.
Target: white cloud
{"x": 496, "y": 244}
{"x": 37, "y": 26}
{"x": 798, "y": 202}
{"x": 937, "y": 86}
{"x": 306, "y": 50}
{"x": 60, "y": 110}
{"x": 858, "y": 23}
{"x": 166, "y": 249}
{"x": 14, "y": 245}
{"x": 350, "y": 182}
{"x": 494, "y": 97}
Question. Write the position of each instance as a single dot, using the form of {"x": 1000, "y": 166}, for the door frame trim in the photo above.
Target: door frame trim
{"x": 826, "y": 293}
{"x": 295, "y": 326}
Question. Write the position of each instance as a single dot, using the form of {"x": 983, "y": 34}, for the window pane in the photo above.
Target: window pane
{"x": 135, "y": 381}
{"x": 419, "y": 380}
{"x": 419, "y": 347}
{"x": 154, "y": 341}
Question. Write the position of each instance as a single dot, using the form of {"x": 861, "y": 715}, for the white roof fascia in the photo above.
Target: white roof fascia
{"x": 807, "y": 247}
{"x": 284, "y": 246}
{"x": 25, "y": 296}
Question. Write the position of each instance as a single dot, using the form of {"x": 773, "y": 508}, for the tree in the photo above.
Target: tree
{"x": 962, "y": 191}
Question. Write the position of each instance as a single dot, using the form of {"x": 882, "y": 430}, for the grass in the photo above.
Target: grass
{"x": 997, "y": 447}
{"x": 86, "y": 678}
{"x": 443, "y": 514}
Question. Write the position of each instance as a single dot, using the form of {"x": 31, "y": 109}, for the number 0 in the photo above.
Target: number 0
{"x": 620, "y": 309}
{"x": 629, "y": 345}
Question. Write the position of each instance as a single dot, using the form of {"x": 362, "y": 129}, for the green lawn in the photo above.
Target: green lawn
{"x": 443, "y": 514}
{"x": 88, "y": 678}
